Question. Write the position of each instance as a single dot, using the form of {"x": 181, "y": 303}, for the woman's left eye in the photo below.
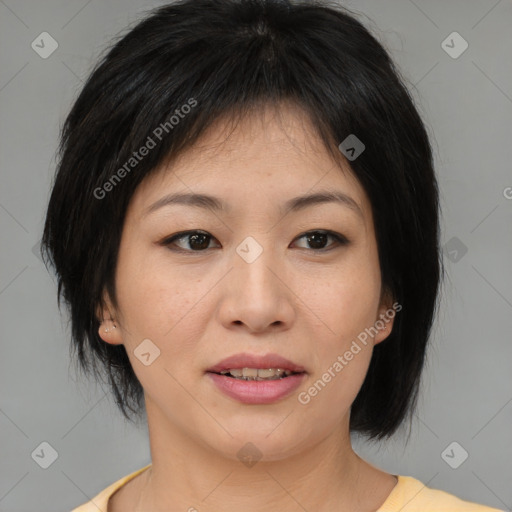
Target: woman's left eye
{"x": 201, "y": 240}
{"x": 318, "y": 238}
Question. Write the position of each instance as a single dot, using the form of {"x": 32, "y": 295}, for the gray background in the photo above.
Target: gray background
{"x": 467, "y": 388}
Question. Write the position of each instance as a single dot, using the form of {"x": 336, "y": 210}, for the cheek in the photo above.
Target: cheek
{"x": 349, "y": 302}
{"x": 158, "y": 305}
{"x": 333, "y": 392}
{"x": 347, "y": 306}
{"x": 162, "y": 303}
{"x": 343, "y": 358}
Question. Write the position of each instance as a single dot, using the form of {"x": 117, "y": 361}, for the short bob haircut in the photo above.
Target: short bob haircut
{"x": 182, "y": 68}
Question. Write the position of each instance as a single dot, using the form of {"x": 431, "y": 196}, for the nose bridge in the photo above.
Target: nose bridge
{"x": 253, "y": 263}
{"x": 256, "y": 295}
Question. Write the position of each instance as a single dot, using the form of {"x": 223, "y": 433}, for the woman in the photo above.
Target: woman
{"x": 244, "y": 224}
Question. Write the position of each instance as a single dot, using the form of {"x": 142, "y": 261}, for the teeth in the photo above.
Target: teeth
{"x": 264, "y": 374}
{"x": 250, "y": 372}
{"x": 257, "y": 373}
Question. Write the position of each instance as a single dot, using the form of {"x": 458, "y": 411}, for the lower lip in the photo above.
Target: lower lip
{"x": 257, "y": 391}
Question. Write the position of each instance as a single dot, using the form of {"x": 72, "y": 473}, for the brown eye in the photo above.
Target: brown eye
{"x": 318, "y": 239}
{"x": 197, "y": 241}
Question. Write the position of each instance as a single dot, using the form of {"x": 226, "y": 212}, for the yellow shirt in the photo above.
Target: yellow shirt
{"x": 408, "y": 495}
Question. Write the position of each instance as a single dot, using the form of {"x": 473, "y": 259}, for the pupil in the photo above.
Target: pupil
{"x": 201, "y": 237}
{"x": 318, "y": 238}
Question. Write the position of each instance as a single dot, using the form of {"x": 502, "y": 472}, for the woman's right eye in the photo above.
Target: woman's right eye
{"x": 197, "y": 241}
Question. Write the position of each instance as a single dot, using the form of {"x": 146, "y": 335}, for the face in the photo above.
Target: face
{"x": 197, "y": 284}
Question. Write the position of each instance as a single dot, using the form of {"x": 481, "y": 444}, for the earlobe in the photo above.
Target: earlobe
{"x": 384, "y": 325}
{"x": 384, "y": 322}
{"x": 108, "y": 329}
{"x": 109, "y": 332}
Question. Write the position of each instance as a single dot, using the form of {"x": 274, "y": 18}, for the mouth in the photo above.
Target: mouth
{"x": 257, "y": 374}
{"x": 253, "y": 367}
{"x": 252, "y": 379}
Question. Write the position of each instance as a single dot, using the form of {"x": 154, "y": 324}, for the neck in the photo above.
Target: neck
{"x": 187, "y": 475}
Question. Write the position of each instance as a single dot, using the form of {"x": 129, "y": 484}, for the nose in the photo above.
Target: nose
{"x": 258, "y": 295}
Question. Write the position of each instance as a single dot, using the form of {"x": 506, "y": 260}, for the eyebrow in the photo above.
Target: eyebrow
{"x": 208, "y": 202}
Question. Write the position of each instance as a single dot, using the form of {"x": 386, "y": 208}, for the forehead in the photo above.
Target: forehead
{"x": 265, "y": 157}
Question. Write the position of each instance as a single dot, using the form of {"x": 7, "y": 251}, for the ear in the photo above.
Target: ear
{"x": 386, "y": 316}
{"x": 109, "y": 329}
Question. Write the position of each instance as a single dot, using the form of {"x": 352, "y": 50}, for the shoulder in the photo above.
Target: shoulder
{"x": 100, "y": 502}
{"x": 411, "y": 495}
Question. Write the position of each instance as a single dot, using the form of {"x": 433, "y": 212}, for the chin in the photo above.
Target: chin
{"x": 260, "y": 444}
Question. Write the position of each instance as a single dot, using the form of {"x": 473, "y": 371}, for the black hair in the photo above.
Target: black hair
{"x": 174, "y": 74}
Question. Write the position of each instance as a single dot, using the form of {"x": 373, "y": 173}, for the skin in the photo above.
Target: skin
{"x": 294, "y": 300}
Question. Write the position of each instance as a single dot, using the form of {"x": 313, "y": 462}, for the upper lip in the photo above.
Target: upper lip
{"x": 245, "y": 360}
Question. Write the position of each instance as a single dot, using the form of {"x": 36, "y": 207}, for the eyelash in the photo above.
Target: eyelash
{"x": 340, "y": 239}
